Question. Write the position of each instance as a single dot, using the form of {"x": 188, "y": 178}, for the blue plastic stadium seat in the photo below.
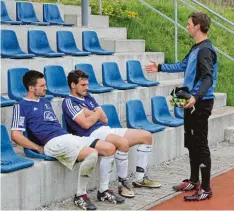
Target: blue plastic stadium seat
{"x": 91, "y": 43}
{"x": 67, "y": 44}
{"x": 136, "y": 117}
{"x": 94, "y": 86}
{"x": 111, "y": 77}
{"x": 135, "y": 74}
{"x": 16, "y": 89}
{"x": 7, "y": 102}
{"x": 10, "y": 46}
{"x": 10, "y": 161}
{"x": 56, "y": 81}
{"x": 112, "y": 116}
{"x": 5, "y": 19}
{"x": 39, "y": 45}
{"x": 33, "y": 154}
{"x": 52, "y": 15}
{"x": 64, "y": 124}
{"x": 179, "y": 112}
{"x": 161, "y": 114}
{"x": 25, "y": 12}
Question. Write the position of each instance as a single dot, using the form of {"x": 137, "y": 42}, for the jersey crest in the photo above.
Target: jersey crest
{"x": 49, "y": 116}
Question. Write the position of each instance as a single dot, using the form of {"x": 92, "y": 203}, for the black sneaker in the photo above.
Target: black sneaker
{"x": 84, "y": 203}
{"x": 186, "y": 185}
{"x": 110, "y": 196}
{"x": 199, "y": 195}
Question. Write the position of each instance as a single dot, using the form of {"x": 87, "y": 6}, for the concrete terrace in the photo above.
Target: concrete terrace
{"x": 49, "y": 185}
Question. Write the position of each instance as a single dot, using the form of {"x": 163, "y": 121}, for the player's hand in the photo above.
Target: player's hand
{"x": 87, "y": 112}
{"x": 40, "y": 149}
{"x": 103, "y": 119}
{"x": 152, "y": 67}
{"x": 191, "y": 103}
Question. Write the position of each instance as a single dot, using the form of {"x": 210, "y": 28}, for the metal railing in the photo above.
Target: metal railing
{"x": 175, "y": 21}
{"x": 208, "y": 9}
{"x": 214, "y": 21}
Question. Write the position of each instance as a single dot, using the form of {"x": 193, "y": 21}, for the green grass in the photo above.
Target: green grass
{"x": 159, "y": 36}
{"x": 159, "y": 33}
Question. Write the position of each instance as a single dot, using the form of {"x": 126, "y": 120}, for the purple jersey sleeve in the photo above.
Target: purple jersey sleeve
{"x": 19, "y": 118}
{"x": 71, "y": 108}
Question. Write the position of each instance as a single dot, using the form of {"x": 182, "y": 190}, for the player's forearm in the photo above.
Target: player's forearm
{"x": 92, "y": 119}
{"x": 20, "y": 139}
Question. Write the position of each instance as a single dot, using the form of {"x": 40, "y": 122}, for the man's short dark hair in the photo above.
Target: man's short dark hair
{"x": 30, "y": 78}
{"x": 202, "y": 19}
{"x": 75, "y": 75}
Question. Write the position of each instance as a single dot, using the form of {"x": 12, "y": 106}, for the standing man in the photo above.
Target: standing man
{"x": 84, "y": 117}
{"x": 200, "y": 66}
{"x": 35, "y": 115}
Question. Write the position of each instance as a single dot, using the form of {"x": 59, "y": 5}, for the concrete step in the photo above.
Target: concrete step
{"x": 116, "y": 97}
{"x": 121, "y": 46}
{"x": 229, "y": 134}
{"x": 95, "y": 21}
{"x": 103, "y": 33}
{"x": 64, "y": 9}
{"x": 52, "y": 181}
{"x": 162, "y": 76}
{"x": 69, "y": 62}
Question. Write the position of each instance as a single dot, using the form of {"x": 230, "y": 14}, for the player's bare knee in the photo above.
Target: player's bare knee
{"x": 85, "y": 152}
{"x": 148, "y": 138}
{"x": 110, "y": 150}
{"x": 124, "y": 145}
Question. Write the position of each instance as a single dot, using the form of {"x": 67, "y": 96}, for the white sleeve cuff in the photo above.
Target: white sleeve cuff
{"x": 77, "y": 114}
{"x": 20, "y": 129}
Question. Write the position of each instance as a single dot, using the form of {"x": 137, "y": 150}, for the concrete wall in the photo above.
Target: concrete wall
{"x": 69, "y": 63}
{"x": 49, "y": 181}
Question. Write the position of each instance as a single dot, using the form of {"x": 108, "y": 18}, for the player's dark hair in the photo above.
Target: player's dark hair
{"x": 75, "y": 75}
{"x": 30, "y": 78}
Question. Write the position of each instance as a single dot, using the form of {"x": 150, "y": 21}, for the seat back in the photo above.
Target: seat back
{"x": 134, "y": 71}
{"x": 159, "y": 107}
{"x": 64, "y": 124}
{"x": 90, "y": 41}
{"x": 55, "y": 78}
{"x": 25, "y": 11}
{"x": 38, "y": 42}
{"x": 135, "y": 113}
{"x": 4, "y": 13}
{"x": 51, "y": 13}
{"x": 110, "y": 73}
{"x": 88, "y": 68}
{"x": 112, "y": 116}
{"x": 9, "y": 43}
{"x": 179, "y": 112}
{"x": 6, "y": 146}
{"x": 16, "y": 89}
{"x": 7, "y": 102}
{"x": 65, "y": 41}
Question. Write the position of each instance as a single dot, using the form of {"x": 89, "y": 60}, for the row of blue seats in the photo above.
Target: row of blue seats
{"x": 57, "y": 83}
{"x": 25, "y": 14}
{"x": 38, "y": 45}
{"x": 136, "y": 118}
